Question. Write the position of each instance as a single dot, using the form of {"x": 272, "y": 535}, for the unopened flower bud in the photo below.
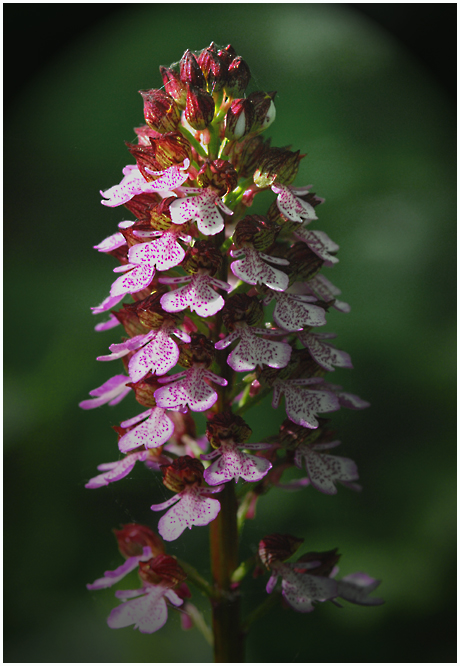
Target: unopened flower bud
{"x": 277, "y": 548}
{"x": 305, "y": 263}
{"x": 150, "y": 312}
{"x": 162, "y": 570}
{"x": 241, "y": 308}
{"x": 199, "y": 110}
{"x": 129, "y": 319}
{"x": 160, "y": 215}
{"x": 238, "y": 77}
{"x": 277, "y": 164}
{"x": 132, "y": 538}
{"x": 199, "y": 350}
{"x": 239, "y": 119}
{"x": 203, "y": 255}
{"x": 245, "y": 155}
{"x": 184, "y": 471}
{"x": 174, "y": 86}
{"x": 227, "y": 54}
{"x": 170, "y": 149}
{"x": 292, "y": 435}
{"x": 256, "y": 230}
{"x": 264, "y": 110}
{"x": 214, "y": 68}
{"x": 161, "y": 112}
{"x": 140, "y": 205}
{"x": 144, "y": 134}
{"x": 220, "y": 175}
{"x": 190, "y": 71}
{"x": 227, "y": 426}
{"x": 144, "y": 389}
{"x": 145, "y": 158}
{"x": 326, "y": 562}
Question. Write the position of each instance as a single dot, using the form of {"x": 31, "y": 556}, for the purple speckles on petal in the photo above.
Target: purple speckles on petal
{"x": 193, "y": 508}
{"x": 253, "y": 270}
{"x": 202, "y": 209}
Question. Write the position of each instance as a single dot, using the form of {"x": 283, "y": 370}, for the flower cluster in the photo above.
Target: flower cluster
{"x": 199, "y": 273}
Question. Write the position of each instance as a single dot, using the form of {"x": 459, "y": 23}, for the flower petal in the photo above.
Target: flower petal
{"x": 153, "y": 432}
{"x": 158, "y": 356}
{"x": 148, "y": 613}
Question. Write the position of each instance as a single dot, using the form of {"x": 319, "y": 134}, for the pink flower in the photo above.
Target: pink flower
{"x": 302, "y": 405}
{"x": 233, "y": 462}
{"x": 114, "y": 471}
{"x": 356, "y": 588}
{"x": 148, "y": 611}
{"x": 324, "y": 354}
{"x": 291, "y": 206}
{"x": 197, "y": 294}
{"x": 165, "y": 252}
{"x": 158, "y": 353}
{"x": 190, "y": 390}
{"x": 253, "y": 351}
{"x": 300, "y": 589}
{"x": 201, "y": 208}
{"x": 294, "y": 311}
{"x": 193, "y": 507}
{"x": 107, "y": 304}
{"x": 323, "y": 289}
{"x": 253, "y": 270}
{"x": 134, "y": 183}
{"x": 325, "y": 470}
{"x": 153, "y": 432}
{"x": 111, "y": 322}
{"x": 115, "y": 240}
{"x": 319, "y": 243}
{"x": 112, "y": 577}
{"x": 111, "y": 392}
{"x": 138, "y": 274}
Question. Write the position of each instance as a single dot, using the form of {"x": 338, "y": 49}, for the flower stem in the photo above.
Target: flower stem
{"x": 228, "y": 637}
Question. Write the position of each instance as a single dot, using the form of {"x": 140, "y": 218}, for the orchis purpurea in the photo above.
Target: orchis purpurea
{"x": 196, "y": 275}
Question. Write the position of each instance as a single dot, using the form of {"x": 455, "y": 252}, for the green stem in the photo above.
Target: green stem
{"x": 228, "y": 637}
{"x": 194, "y": 577}
{"x": 196, "y": 144}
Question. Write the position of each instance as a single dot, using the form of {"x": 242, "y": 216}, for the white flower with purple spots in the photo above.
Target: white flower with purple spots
{"x": 146, "y": 609}
{"x": 202, "y": 208}
{"x": 324, "y": 354}
{"x": 303, "y": 405}
{"x": 154, "y": 431}
{"x": 114, "y": 471}
{"x": 192, "y": 507}
{"x": 319, "y": 243}
{"x": 114, "y": 241}
{"x": 347, "y": 400}
{"x": 189, "y": 389}
{"x": 300, "y": 589}
{"x": 291, "y": 206}
{"x": 157, "y": 352}
{"x": 233, "y": 462}
{"x": 253, "y": 351}
{"x": 324, "y": 470}
{"x": 253, "y": 269}
{"x": 197, "y": 294}
{"x": 294, "y": 311}
{"x": 111, "y": 392}
{"x": 134, "y": 183}
{"x": 323, "y": 289}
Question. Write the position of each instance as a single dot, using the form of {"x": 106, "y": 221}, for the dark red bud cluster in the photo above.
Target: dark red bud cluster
{"x": 132, "y": 538}
{"x": 227, "y": 426}
{"x": 162, "y": 570}
{"x": 264, "y": 109}
{"x": 145, "y": 159}
{"x": 182, "y": 472}
{"x": 219, "y": 175}
{"x": 239, "y": 119}
{"x": 199, "y": 109}
{"x": 161, "y": 112}
{"x": 277, "y": 164}
{"x": 277, "y": 548}
{"x": 257, "y": 231}
{"x": 174, "y": 86}
{"x": 170, "y": 149}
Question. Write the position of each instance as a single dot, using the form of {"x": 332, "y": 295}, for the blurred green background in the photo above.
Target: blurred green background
{"x": 379, "y": 132}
